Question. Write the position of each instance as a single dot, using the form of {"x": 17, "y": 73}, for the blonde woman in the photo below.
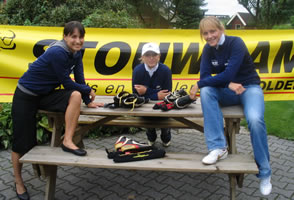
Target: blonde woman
{"x": 236, "y": 82}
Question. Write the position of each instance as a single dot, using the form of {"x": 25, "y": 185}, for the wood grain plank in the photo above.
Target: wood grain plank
{"x": 180, "y": 162}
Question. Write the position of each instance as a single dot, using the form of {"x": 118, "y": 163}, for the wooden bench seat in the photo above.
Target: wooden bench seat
{"x": 189, "y": 162}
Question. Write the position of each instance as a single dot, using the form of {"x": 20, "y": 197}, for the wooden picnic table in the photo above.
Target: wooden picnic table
{"x": 190, "y": 117}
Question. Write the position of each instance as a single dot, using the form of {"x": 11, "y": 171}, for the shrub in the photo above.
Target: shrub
{"x": 6, "y": 127}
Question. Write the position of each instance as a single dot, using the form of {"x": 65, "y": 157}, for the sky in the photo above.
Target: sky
{"x": 223, "y": 7}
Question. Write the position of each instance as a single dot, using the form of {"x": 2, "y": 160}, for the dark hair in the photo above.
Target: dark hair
{"x": 70, "y": 27}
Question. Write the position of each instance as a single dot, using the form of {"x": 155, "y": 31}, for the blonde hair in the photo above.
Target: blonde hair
{"x": 210, "y": 22}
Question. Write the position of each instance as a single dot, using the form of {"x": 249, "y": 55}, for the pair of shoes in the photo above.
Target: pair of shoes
{"x": 214, "y": 156}
{"x": 78, "y": 152}
{"x": 265, "y": 186}
{"x": 23, "y": 196}
{"x": 120, "y": 142}
{"x": 124, "y": 144}
{"x": 165, "y": 137}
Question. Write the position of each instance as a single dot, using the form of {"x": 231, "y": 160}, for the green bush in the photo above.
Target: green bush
{"x": 111, "y": 19}
{"x": 6, "y": 127}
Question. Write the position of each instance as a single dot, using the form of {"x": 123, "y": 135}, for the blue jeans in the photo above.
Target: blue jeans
{"x": 252, "y": 101}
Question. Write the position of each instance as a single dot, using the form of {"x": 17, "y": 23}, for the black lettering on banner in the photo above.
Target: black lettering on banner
{"x": 288, "y": 85}
{"x": 88, "y": 45}
{"x": 284, "y": 52}
{"x": 184, "y": 86}
{"x": 279, "y": 85}
{"x": 120, "y": 88}
{"x": 163, "y": 53}
{"x": 262, "y": 48}
{"x": 100, "y": 59}
{"x": 137, "y": 57}
{"x": 109, "y": 89}
{"x": 179, "y": 61}
{"x": 38, "y": 49}
{"x": 93, "y": 87}
{"x": 269, "y": 86}
{"x": 262, "y": 84}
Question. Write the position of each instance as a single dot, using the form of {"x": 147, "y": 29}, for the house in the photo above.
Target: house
{"x": 241, "y": 21}
{"x": 222, "y": 18}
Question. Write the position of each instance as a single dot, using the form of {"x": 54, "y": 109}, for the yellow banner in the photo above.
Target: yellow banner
{"x": 109, "y": 56}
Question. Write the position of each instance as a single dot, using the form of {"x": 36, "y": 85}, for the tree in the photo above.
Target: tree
{"x": 57, "y": 12}
{"x": 178, "y": 13}
{"x": 268, "y": 13}
{"x": 189, "y": 13}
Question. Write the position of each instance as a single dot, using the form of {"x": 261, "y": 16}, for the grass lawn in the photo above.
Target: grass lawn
{"x": 279, "y": 116}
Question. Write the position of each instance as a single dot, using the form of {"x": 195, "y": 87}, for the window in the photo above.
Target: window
{"x": 237, "y": 26}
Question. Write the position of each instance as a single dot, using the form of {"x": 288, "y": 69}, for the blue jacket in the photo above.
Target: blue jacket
{"x": 52, "y": 69}
{"x": 231, "y": 62}
{"x": 160, "y": 80}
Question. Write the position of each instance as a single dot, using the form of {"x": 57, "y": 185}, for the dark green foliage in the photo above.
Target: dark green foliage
{"x": 292, "y": 21}
{"x": 56, "y": 13}
{"x": 115, "y": 14}
{"x": 6, "y": 127}
{"x": 269, "y": 13}
{"x": 111, "y": 130}
{"x": 189, "y": 14}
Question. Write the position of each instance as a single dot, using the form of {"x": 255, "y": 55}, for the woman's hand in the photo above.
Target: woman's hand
{"x": 237, "y": 88}
{"x": 92, "y": 95}
{"x": 193, "y": 92}
{"x": 95, "y": 104}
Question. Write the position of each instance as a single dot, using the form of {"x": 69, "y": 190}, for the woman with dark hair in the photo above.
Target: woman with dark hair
{"x": 228, "y": 77}
{"x": 36, "y": 89}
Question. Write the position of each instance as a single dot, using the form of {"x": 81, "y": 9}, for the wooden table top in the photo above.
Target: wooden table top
{"x": 146, "y": 110}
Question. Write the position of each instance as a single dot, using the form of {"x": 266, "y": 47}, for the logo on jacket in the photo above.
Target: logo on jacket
{"x": 158, "y": 87}
{"x": 214, "y": 63}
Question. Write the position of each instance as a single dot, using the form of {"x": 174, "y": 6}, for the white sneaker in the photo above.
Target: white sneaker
{"x": 214, "y": 156}
{"x": 166, "y": 144}
{"x": 265, "y": 186}
{"x": 150, "y": 143}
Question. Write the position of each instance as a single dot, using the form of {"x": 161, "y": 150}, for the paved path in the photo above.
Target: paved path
{"x": 76, "y": 183}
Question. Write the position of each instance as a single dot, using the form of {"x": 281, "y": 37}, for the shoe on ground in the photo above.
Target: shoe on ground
{"x": 120, "y": 142}
{"x": 166, "y": 144}
{"x": 165, "y": 137}
{"x": 151, "y": 136}
{"x": 265, "y": 186}
{"x": 23, "y": 196}
{"x": 214, "y": 156}
{"x": 150, "y": 143}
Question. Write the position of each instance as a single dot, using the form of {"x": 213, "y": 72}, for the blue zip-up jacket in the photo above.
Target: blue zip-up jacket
{"x": 160, "y": 80}
{"x": 231, "y": 62}
{"x": 53, "y": 68}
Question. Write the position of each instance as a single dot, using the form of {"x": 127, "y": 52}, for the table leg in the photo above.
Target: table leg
{"x": 232, "y": 178}
{"x": 51, "y": 182}
{"x": 231, "y": 129}
{"x": 57, "y": 121}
